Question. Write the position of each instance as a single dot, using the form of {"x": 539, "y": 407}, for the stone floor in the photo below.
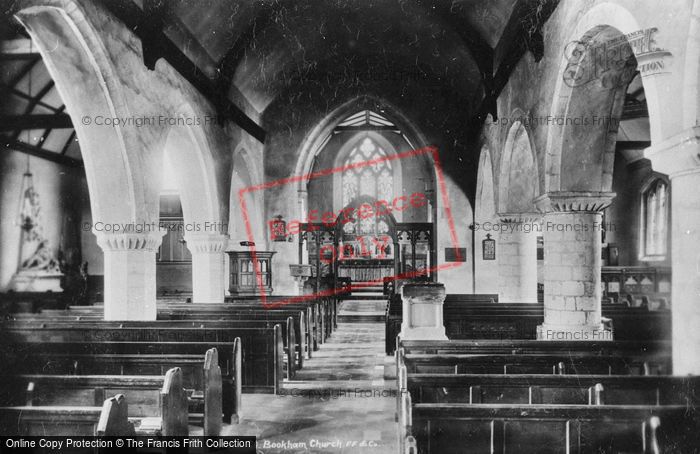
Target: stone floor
{"x": 339, "y": 402}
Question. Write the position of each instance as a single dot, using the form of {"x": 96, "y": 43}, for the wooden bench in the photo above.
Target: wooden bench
{"x": 471, "y": 318}
{"x": 429, "y": 428}
{"x": 532, "y": 364}
{"x": 294, "y": 355}
{"x": 261, "y": 349}
{"x": 29, "y": 302}
{"x": 123, "y": 358}
{"x": 71, "y": 418}
{"x": 304, "y": 317}
{"x": 551, "y": 389}
{"x": 144, "y": 392}
{"x": 111, "y": 419}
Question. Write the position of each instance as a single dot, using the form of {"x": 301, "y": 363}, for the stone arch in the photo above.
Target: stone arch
{"x": 87, "y": 83}
{"x": 580, "y": 157}
{"x": 246, "y": 173}
{"x": 484, "y": 213}
{"x": 485, "y": 206}
{"x": 121, "y": 166}
{"x": 314, "y": 140}
{"x": 691, "y": 72}
{"x": 518, "y": 174}
{"x": 195, "y": 170}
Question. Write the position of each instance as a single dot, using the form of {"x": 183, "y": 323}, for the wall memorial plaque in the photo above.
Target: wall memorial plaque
{"x": 453, "y": 254}
{"x": 488, "y": 247}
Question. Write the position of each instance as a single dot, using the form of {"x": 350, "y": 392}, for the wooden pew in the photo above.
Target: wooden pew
{"x": 479, "y": 428}
{"x": 261, "y": 349}
{"x": 552, "y": 389}
{"x": 144, "y": 392}
{"x": 159, "y": 410}
{"x": 530, "y": 364}
{"x": 305, "y": 320}
{"x": 289, "y": 335}
{"x": 515, "y": 346}
{"x": 109, "y": 420}
{"x": 469, "y": 318}
{"x": 29, "y": 302}
{"x": 447, "y": 356}
{"x": 315, "y": 321}
{"x": 137, "y": 359}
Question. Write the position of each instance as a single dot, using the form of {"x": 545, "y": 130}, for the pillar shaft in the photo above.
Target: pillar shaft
{"x": 208, "y": 273}
{"x": 130, "y": 275}
{"x": 685, "y": 279}
{"x": 572, "y": 266}
{"x": 679, "y": 157}
{"x": 517, "y": 259}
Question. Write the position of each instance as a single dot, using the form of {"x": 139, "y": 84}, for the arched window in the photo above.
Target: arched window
{"x": 655, "y": 219}
{"x": 375, "y": 180}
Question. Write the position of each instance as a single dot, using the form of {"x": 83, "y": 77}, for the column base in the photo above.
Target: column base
{"x": 548, "y": 332}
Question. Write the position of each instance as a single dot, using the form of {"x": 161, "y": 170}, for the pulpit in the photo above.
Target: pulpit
{"x": 244, "y": 271}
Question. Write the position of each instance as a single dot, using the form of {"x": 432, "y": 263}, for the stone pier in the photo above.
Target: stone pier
{"x": 571, "y": 227}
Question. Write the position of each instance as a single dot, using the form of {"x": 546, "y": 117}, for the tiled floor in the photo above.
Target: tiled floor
{"x": 339, "y": 402}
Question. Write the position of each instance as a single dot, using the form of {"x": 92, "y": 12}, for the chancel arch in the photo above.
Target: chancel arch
{"x": 367, "y": 156}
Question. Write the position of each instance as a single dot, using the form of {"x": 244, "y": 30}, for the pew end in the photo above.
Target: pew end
{"x": 232, "y": 414}
{"x": 651, "y": 441}
{"x": 213, "y": 407}
{"x": 174, "y": 405}
{"x": 114, "y": 419}
{"x": 291, "y": 348}
{"x": 411, "y": 447}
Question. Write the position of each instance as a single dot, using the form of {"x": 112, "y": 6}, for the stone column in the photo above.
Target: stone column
{"x": 208, "y": 277}
{"x": 517, "y": 257}
{"x": 422, "y": 311}
{"x": 130, "y": 274}
{"x": 572, "y": 227}
{"x": 679, "y": 158}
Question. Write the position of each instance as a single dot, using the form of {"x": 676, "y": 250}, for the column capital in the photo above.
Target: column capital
{"x": 145, "y": 241}
{"x": 520, "y": 218}
{"x": 678, "y": 154}
{"x": 574, "y": 201}
{"x": 210, "y": 243}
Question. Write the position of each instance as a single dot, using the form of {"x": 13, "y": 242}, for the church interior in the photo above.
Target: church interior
{"x": 353, "y": 226}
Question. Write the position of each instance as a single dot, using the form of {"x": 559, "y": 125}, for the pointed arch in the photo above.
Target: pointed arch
{"x": 518, "y": 174}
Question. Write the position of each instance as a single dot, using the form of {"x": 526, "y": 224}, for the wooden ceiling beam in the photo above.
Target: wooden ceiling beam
{"x": 135, "y": 19}
{"x": 38, "y": 121}
{"x": 42, "y": 154}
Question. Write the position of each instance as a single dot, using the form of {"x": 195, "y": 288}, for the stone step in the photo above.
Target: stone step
{"x": 365, "y": 296}
{"x": 366, "y": 289}
{"x": 360, "y": 317}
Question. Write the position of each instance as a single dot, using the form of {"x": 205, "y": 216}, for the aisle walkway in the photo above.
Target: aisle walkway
{"x": 339, "y": 402}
